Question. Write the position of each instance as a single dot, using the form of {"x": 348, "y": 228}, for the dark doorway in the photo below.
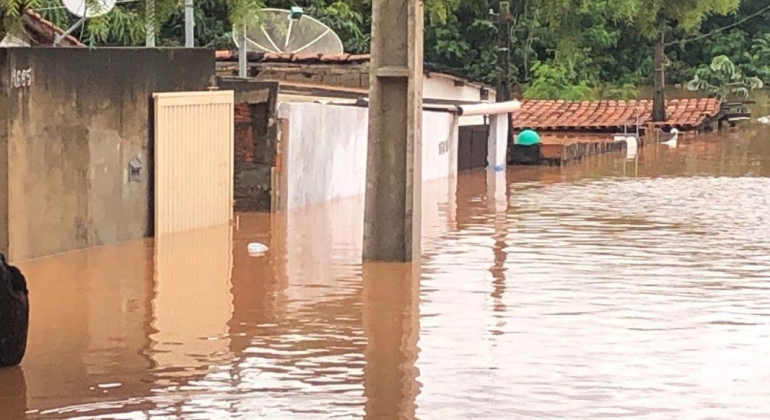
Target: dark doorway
{"x": 472, "y": 147}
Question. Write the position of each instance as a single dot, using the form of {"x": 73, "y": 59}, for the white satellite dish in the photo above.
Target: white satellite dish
{"x": 84, "y": 11}
{"x": 81, "y": 8}
{"x": 289, "y": 32}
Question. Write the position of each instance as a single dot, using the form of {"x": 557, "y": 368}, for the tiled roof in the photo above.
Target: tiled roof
{"x": 43, "y": 32}
{"x": 260, "y": 57}
{"x": 610, "y": 115}
{"x": 295, "y": 58}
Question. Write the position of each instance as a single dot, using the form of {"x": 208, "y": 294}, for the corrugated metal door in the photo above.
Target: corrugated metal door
{"x": 193, "y": 160}
{"x": 472, "y": 147}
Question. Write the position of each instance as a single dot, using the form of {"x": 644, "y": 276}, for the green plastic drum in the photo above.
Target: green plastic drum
{"x": 528, "y": 138}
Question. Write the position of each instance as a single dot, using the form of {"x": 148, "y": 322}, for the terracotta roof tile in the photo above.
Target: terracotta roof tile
{"x": 583, "y": 115}
{"x": 295, "y": 58}
{"x": 43, "y": 32}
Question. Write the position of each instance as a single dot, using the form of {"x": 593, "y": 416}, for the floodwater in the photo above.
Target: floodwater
{"x": 609, "y": 289}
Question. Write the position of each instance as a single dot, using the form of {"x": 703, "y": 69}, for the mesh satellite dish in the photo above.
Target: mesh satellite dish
{"x": 89, "y": 9}
{"x": 84, "y": 9}
{"x": 289, "y": 31}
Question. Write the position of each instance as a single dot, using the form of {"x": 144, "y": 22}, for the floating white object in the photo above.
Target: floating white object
{"x": 764, "y": 120}
{"x": 673, "y": 141}
{"x": 632, "y": 145}
{"x": 257, "y": 249}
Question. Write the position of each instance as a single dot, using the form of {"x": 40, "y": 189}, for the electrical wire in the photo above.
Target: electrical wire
{"x": 718, "y": 30}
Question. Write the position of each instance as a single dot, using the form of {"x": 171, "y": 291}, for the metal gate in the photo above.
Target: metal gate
{"x": 193, "y": 160}
{"x": 472, "y": 147}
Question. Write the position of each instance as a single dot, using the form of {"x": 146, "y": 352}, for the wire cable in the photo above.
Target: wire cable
{"x": 718, "y": 30}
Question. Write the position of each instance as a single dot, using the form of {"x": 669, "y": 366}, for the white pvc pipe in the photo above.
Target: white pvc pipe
{"x": 489, "y": 108}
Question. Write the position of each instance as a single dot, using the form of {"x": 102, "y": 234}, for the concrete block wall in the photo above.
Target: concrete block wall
{"x": 347, "y": 75}
{"x": 73, "y": 119}
{"x": 326, "y": 151}
{"x": 255, "y": 141}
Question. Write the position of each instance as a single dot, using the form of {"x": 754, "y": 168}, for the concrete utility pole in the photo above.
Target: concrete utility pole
{"x": 393, "y": 168}
{"x": 503, "y": 74}
{"x": 189, "y": 24}
{"x": 149, "y": 21}
{"x": 243, "y": 52}
{"x": 659, "y": 62}
{"x": 504, "y": 53}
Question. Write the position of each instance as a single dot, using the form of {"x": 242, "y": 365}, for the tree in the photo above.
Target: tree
{"x": 126, "y": 23}
{"x": 724, "y": 80}
{"x": 684, "y": 15}
{"x": 654, "y": 19}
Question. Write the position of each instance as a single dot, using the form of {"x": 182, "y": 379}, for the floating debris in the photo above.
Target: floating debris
{"x": 257, "y": 249}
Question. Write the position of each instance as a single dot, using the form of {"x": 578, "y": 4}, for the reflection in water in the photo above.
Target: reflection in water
{"x": 192, "y": 305}
{"x": 13, "y": 393}
{"x": 391, "y": 322}
{"x": 607, "y": 289}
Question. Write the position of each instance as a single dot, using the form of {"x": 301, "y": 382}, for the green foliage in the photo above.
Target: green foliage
{"x": 557, "y": 81}
{"x": 724, "y": 80}
{"x": 579, "y": 49}
{"x": 349, "y": 23}
{"x": 619, "y": 92}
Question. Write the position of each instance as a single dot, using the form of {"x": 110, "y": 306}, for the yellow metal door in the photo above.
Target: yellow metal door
{"x": 193, "y": 160}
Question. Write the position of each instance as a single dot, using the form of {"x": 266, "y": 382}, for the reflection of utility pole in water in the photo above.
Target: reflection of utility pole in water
{"x": 391, "y": 324}
{"x": 393, "y": 167}
{"x": 497, "y": 202}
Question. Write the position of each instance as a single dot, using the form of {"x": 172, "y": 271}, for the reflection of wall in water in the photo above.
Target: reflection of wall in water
{"x": 192, "y": 303}
{"x": 324, "y": 241}
{"x": 88, "y": 325}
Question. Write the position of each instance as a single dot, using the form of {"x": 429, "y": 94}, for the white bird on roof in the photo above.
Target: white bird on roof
{"x": 673, "y": 140}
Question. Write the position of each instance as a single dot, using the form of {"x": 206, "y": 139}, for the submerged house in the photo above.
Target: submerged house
{"x": 573, "y": 129}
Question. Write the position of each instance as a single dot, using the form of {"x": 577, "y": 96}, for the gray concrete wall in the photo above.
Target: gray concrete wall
{"x": 346, "y": 75}
{"x": 73, "y": 127}
{"x": 4, "y": 78}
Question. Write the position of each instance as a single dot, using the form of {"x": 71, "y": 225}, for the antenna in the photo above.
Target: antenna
{"x": 84, "y": 9}
{"x": 288, "y": 31}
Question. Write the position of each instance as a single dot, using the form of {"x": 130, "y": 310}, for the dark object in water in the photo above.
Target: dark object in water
{"x": 521, "y": 154}
{"x": 14, "y": 314}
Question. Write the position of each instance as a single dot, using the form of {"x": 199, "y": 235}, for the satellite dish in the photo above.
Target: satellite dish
{"x": 289, "y": 32}
{"x": 83, "y": 11}
{"x": 94, "y": 9}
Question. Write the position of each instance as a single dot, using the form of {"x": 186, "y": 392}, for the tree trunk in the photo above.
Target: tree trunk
{"x": 659, "y": 100}
{"x": 14, "y": 314}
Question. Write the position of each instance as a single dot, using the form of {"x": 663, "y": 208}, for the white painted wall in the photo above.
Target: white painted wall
{"x": 439, "y": 145}
{"x": 438, "y": 87}
{"x": 325, "y": 154}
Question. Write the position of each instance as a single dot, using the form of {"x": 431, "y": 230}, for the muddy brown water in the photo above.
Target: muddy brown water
{"x": 609, "y": 289}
